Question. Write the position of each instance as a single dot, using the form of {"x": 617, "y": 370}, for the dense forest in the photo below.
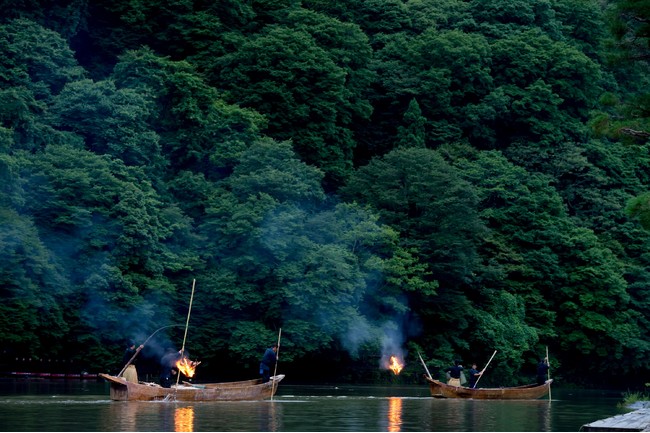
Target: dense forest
{"x": 371, "y": 177}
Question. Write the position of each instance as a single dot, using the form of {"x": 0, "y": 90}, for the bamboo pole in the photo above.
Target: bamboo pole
{"x": 141, "y": 346}
{"x": 425, "y": 366}
{"x": 275, "y": 369}
{"x": 189, "y": 311}
{"x": 549, "y": 374}
{"x": 483, "y": 371}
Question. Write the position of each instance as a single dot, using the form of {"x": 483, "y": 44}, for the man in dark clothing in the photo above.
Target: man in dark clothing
{"x": 130, "y": 373}
{"x": 474, "y": 374}
{"x": 168, "y": 367}
{"x": 454, "y": 373}
{"x": 269, "y": 359}
{"x": 542, "y": 371}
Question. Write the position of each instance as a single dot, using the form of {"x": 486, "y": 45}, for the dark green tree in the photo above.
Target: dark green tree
{"x": 305, "y": 84}
{"x": 106, "y": 228}
{"x": 412, "y": 134}
{"x": 416, "y": 192}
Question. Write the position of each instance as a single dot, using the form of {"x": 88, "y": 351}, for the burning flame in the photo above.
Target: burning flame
{"x": 187, "y": 367}
{"x": 395, "y": 365}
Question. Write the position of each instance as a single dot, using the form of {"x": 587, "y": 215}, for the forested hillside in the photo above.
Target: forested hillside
{"x": 373, "y": 177}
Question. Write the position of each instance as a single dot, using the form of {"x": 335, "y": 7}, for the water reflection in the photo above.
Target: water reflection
{"x": 299, "y": 409}
{"x": 527, "y": 415}
{"x": 394, "y": 414}
{"x": 125, "y": 414}
{"x": 268, "y": 416}
{"x": 184, "y": 419}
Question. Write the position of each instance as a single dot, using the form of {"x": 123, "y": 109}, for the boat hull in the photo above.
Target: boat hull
{"x": 526, "y": 392}
{"x": 122, "y": 390}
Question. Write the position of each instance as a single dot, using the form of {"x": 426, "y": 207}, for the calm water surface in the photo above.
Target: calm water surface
{"x": 79, "y": 405}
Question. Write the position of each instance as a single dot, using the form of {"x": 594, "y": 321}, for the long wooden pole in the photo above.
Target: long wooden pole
{"x": 187, "y": 323}
{"x": 275, "y": 370}
{"x": 141, "y": 346}
{"x": 425, "y": 366}
{"x": 549, "y": 374}
{"x": 486, "y": 366}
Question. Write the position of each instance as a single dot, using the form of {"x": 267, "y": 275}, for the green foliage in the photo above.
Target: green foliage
{"x": 197, "y": 130}
{"x": 365, "y": 175}
{"x": 425, "y": 199}
{"x": 632, "y": 397}
{"x": 111, "y": 121}
{"x": 299, "y": 81}
{"x": 413, "y": 133}
{"x": 639, "y": 207}
{"x": 33, "y": 315}
{"x": 37, "y": 58}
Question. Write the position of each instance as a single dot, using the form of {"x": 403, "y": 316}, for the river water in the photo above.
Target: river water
{"x": 40, "y": 405}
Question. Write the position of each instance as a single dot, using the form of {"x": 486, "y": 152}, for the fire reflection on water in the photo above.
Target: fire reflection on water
{"x": 184, "y": 419}
{"x": 394, "y": 414}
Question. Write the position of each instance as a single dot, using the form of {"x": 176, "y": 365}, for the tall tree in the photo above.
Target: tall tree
{"x": 305, "y": 79}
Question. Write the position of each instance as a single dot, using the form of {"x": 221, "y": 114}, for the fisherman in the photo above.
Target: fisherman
{"x": 269, "y": 359}
{"x": 454, "y": 373}
{"x": 474, "y": 375}
{"x": 542, "y": 371}
{"x": 131, "y": 373}
{"x": 168, "y": 367}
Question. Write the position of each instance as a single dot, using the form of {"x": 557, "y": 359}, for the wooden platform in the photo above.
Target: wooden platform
{"x": 639, "y": 420}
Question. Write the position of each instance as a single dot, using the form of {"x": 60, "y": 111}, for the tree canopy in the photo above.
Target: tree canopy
{"x": 372, "y": 177}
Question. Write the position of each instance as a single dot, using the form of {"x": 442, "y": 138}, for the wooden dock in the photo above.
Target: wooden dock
{"x": 639, "y": 420}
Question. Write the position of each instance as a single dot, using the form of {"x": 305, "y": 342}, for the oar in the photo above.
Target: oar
{"x": 549, "y": 373}
{"x": 275, "y": 370}
{"x": 483, "y": 371}
{"x": 425, "y": 366}
{"x": 141, "y": 346}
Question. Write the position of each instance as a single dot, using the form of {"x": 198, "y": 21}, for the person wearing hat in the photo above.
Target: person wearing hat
{"x": 131, "y": 373}
{"x": 268, "y": 360}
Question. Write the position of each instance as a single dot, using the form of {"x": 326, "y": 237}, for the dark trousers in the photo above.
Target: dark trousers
{"x": 265, "y": 372}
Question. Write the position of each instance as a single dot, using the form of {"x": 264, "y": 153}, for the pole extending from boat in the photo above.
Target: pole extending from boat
{"x": 483, "y": 371}
{"x": 424, "y": 365}
{"x": 549, "y": 373}
{"x": 141, "y": 346}
{"x": 275, "y": 370}
{"x": 189, "y": 311}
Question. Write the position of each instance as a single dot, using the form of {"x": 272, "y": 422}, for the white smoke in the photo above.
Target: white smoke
{"x": 392, "y": 343}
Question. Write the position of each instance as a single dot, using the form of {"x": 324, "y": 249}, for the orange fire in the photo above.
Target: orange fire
{"x": 395, "y": 365}
{"x": 187, "y": 367}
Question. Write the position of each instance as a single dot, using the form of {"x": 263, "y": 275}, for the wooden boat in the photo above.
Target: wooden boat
{"x": 123, "y": 390}
{"x": 525, "y": 392}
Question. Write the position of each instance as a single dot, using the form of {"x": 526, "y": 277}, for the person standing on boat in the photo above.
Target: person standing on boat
{"x": 131, "y": 373}
{"x": 168, "y": 367}
{"x": 474, "y": 374}
{"x": 268, "y": 360}
{"x": 542, "y": 371}
{"x": 454, "y": 373}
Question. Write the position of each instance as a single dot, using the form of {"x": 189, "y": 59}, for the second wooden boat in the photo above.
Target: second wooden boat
{"x": 526, "y": 392}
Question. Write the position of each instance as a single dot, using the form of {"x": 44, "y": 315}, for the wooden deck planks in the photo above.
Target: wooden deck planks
{"x": 639, "y": 420}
